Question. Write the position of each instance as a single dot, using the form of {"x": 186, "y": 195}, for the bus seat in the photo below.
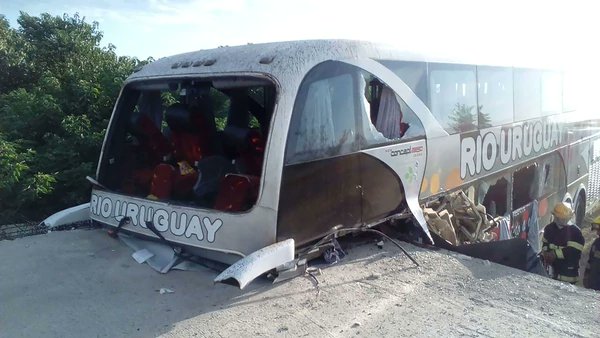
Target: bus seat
{"x": 237, "y": 193}
{"x": 189, "y": 141}
{"x": 154, "y": 145}
{"x": 234, "y": 140}
{"x": 162, "y": 181}
{"x": 403, "y": 128}
{"x": 252, "y": 156}
{"x": 184, "y": 180}
{"x": 247, "y": 146}
{"x": 190, "y": 133}
{"x": 149, "y": 150}
{"x": 211, "y": 171}
{"x": 173, "y": 181}
{"x": 140, "y": 181}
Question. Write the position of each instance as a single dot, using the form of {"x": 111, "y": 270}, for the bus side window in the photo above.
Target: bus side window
{"x": 569, "y": 92}
{"x": 525, "y": 189}
{"x": 495, "y": 96}
{"x": 528, "y": 91}
{"x": 390, "y": 117}
{"x": 553, "y": 176}
{"x": 493, "y": 194}
{"x": 551, "y": 93}
{"x": 414, "y": 74}
{"x": 324, "y": 116}
{"x": 453, "y": 96}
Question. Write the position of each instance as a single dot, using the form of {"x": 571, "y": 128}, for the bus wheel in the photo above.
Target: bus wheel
{"x": 580, "y": 210}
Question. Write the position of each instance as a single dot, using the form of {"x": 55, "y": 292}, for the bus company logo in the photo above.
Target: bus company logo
{"x": 406, "y": 150}
{"x": 178, "y": 223}
{"x": 483, "y": 151}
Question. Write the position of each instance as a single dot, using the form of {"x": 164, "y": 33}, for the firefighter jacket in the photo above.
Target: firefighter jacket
{"x": 592, "y": 270}
{"x": 567, "y": 245}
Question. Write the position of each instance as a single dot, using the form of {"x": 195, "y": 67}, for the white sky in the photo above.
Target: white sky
{"x": 159, "y": 28}
{"x": 542, "y": 31}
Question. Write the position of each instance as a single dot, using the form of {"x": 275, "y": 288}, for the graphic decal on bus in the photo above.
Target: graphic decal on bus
{"x": 111, "y": 209}
{"x": 495, "y": 146}
{"x": 411, "y": 173}
{"x": 405, "y": 150}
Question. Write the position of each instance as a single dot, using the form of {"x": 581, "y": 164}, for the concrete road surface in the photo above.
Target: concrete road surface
{"x": 83, "y": 283}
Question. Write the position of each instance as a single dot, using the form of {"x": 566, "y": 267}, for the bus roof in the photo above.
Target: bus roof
{"x": 297, "y": 57}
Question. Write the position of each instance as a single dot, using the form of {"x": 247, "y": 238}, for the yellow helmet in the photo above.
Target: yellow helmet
{"x": 563, "y": 211}
{"x": 596, "y": 223}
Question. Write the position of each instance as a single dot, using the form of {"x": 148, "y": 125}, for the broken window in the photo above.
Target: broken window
{"x": 338, "y": 105}
{"x": 552, "y": 176}
{"x": 199, "y": 142}
{"x": 525, "y": 189}
{"x": 390, "y": 117}
{"x": 493, "y": 195}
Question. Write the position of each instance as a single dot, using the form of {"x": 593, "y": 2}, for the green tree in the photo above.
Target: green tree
{"x": 463, "y": 119}
{"x": 57, "y": 90}
{"x": 485, "y": 121}
{"x": 13, "y": 68}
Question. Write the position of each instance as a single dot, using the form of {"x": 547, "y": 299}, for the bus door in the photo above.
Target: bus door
{"x": 392, "y": 150}
{"x": 393, "y": 144}
{"x": 320, "y": 185}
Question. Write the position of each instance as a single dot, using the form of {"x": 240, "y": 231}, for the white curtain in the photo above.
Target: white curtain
{"x": 315, "y": 133}
{"x": 370, "y": 133}
{"x": 389, "y": 115}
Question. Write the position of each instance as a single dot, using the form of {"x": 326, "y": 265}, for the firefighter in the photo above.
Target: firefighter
{"x": 591, "y": 277}
{"x": 562, "y": 245}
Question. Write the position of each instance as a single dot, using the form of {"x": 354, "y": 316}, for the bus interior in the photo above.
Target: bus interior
{"x": 197, "y": 142}
{"x": 500, "y": 207}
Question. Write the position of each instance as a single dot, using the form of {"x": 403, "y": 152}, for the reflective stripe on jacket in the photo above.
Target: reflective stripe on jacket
{"x": 567, "y": 244}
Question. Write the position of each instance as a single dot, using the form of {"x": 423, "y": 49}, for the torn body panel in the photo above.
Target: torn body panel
{"x": 74, "y": 214}
{"x": 257, "y": 263}
{"x": 407, "y": 161}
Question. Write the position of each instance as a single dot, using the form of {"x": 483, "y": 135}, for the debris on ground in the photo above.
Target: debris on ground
{"x": 457, "y": 219}
{"x": 142, "y": 255}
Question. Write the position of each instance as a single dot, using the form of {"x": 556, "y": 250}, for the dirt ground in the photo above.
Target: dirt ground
{"x": 83, "y": 283}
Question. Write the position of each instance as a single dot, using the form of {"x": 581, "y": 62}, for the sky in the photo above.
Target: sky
{"x": 551, "y": 30}
{"x": 532, "y": 32}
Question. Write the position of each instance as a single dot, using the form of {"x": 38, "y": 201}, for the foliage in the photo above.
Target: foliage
{"x": 463, "y": 119}
{"x": 485, "y": 121}
{"x": 57, "y": 90}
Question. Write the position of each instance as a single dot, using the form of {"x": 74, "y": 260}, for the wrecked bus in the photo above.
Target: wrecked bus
{"x": 230, "y": 150}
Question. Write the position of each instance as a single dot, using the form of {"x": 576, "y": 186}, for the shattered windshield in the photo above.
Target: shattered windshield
{"x": 199, "y": 142}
